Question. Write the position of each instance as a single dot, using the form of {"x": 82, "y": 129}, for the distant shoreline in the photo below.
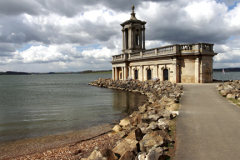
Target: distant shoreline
{"x": 39, "y": 73}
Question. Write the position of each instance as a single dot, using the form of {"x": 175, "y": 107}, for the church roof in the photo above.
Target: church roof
{"x": 133, "y": 19}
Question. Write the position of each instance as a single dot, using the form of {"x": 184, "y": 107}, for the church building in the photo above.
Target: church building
{"x": 178, "y": 63}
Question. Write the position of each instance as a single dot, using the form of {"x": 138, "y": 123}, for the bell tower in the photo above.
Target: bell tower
{"x": 133, "y": 34}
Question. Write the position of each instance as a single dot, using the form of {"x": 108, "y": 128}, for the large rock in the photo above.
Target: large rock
{"x": 104, "y": 154}
{"x": 154, "y": 153}
{"x": 109, "y": 154}
{"x": 224, "y": 93}
{"x": 95, "y": 154}
{"x": 173, "y": 107}
{"x": 117, "y": 128}
{"x": 135, "y": 135}
{"x": 128, "y": 156}
{"x": 124, "y": 122}
{"x": 151, "y": 139}
{"x": 230, "y": 96}
{"x": 153, "y": 126}
{"x": 126, "y": 145}
{"x": 143, "y": 127}
{"x": 135, "y": 120}
{"x": 141, "y": 156}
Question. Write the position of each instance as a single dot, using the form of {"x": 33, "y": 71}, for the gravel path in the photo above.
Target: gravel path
{"x": 208, "y": 126}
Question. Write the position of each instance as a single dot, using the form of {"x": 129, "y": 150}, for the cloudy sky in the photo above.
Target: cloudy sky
{"x": 76, "y": 35}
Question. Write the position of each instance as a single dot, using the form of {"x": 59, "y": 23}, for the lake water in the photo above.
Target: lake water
{"x": 41, "y": 105}
{"x": 226, "y": 76}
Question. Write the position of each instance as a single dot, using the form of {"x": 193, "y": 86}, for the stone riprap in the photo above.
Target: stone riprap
{"x": 230, "y": 89}
{"x": 145, "y": 133}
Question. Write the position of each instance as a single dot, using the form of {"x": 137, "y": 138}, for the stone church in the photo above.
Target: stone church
{"x": 178, "y": 63}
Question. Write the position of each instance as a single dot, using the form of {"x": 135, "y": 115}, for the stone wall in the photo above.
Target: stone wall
{"x": 145, "y": 133}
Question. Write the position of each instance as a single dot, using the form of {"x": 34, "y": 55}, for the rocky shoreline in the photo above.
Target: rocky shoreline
{"x": 146, "y": 133}
{"x": 230, "y": 89}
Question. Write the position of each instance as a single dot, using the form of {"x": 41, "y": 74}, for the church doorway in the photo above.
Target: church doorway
{"x": 165, "y": 74}
{"x": 149, "y": 74}
{"x": 136, "y": 74}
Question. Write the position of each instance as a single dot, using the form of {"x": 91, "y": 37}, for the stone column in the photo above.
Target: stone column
{"x": 174, "y": 73}
{"x": 143, "y": 37}
{"x": 160, "y": 73}
{"x": 130, "y": 72}
{"x": 125, "y": 73}
{"x": 122, "y": 73}
{"x": 197, "y": 69}
{"x": 116, "y": 74}
{"x": 123, "y": 46}
{"x": 113, "y": 69}
{"x": 155, "y": 72}
{"x": 141, "y": 74}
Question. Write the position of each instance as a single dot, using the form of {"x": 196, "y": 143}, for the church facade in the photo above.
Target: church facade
{"x": 179, "y": 63}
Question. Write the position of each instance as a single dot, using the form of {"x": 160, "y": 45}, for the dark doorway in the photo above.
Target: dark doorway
{"x": 165, "y": 74}
{"x": 136, "y": 74}
{"x": 149, "y": 74}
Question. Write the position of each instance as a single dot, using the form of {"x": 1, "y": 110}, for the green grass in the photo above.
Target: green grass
{"x": 235, "y": 101}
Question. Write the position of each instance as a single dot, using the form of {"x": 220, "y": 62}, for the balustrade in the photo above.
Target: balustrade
{"x": 185, "y": 48}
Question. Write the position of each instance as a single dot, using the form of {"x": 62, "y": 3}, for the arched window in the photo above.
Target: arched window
{"x": 126, "y": 38}
{"x": 120, "y": 75}
{"x": 137, "y": 40}
{"x": 149, "y": 74}
{"x": 136, "y": 74}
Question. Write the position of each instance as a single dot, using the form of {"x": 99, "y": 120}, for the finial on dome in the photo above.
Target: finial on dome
{"x": 133, "y": 14}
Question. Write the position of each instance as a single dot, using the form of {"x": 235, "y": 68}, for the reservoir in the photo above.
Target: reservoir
{"x": 41, "y": 105}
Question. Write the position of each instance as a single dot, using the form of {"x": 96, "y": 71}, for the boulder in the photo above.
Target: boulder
{"x": 95, "y": 154}
{"x": 152, "y": 126}
{"x": 124, "y": 122}
{"x": 143, "y": 127}
{"x": 128, "y": 156}
{"x": 167, "y": 114}
{"x": 230, "y": 96}
{"x": 163, "y": 124}
{"x": 155, "y": 117}
{"x": 135, "y": 120}
{"x": 151, "y": 139}
{"x": 142, "y": 109}
{"x": 126, "y": 145}
{"x": 154, "y": 153}
{"x": 122, "y": 134}
{"x": 104, "y": 154}
{"x": 135, "y": 135}
{"x": 117, "y": 128}
{"x": 172, "y": 107}
{"x": 141, "y": 156}
{"x": 224, "y": 93}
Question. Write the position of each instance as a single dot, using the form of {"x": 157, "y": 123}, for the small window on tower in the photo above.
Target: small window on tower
{"x": 137, "y": 39}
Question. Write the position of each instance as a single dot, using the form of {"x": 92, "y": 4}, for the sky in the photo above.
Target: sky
{"x": 77, "y": 35}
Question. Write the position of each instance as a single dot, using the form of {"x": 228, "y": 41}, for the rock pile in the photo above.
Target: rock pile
{"x": 145, "y": 133}
{"x": 230, "y": 90}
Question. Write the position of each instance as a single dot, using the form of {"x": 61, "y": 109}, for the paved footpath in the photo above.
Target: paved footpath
{"x": 208, "y": 127}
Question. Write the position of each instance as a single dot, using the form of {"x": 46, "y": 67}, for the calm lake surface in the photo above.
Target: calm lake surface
{"x": 226, "y": 76}
{"x": 41, "y": 105}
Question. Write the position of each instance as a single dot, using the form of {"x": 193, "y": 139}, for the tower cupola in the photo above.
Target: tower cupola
{"x": 133, "y": 34}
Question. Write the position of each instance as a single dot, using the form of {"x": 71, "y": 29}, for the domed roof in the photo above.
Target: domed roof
{"x": 133, "y": 19}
